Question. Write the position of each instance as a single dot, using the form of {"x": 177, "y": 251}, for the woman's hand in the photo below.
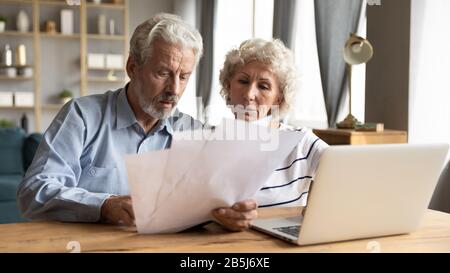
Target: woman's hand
{"x": 238, "y": 217}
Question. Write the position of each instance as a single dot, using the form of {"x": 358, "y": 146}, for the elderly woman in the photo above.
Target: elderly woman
{"x": 258, "y": 83}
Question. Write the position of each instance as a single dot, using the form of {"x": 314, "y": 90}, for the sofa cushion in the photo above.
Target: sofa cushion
{"x": 11, "y": 143}
{"x": 29, "y": 149}
{"x": 10, "y": 213}
{"x": 8, "y": 186}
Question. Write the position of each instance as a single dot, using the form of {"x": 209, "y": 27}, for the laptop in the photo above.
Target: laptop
{"x": 364, "y": 192}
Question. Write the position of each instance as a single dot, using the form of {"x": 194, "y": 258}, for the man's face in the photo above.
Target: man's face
{"x": 160, "y": 82}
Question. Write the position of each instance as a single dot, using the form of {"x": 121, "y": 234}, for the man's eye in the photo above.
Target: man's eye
{"x": 163, "y": 74}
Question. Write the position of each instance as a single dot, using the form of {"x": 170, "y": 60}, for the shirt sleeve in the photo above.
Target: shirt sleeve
{"x": 49, "y": 189}
{"x": 319, "y": 147}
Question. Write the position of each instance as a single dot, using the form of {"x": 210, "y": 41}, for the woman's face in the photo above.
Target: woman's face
{"x": 253, "y": 91}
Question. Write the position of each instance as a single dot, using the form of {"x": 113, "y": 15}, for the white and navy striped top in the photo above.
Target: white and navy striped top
{"x": 288, "y": 185}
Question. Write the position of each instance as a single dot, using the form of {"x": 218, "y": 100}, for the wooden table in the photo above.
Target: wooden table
{"x": 352, "y": 137}
{"x": 433, "y": 236}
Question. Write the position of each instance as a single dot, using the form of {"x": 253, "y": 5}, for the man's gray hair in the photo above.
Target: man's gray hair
{"x": 273, "y": 53}
{"x": 168, "y": 27}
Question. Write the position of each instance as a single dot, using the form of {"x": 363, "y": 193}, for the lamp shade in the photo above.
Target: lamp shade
{"x": 357, "y": 50}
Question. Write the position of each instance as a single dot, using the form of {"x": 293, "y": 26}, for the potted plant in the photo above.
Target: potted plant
{"x": 65, "y": 96}
{"x": 4, "y": 123}
{"x": 2, "y": 24}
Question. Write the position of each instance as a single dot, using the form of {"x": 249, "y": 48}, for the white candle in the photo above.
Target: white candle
{"x": 21, "y": 55}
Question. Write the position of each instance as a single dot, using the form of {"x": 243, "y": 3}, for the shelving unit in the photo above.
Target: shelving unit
{"x": 82, "y": 39}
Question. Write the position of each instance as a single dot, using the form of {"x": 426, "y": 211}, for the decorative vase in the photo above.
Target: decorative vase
{"x": 21, "y": 55}
{"x": 101, "y": 24}
{"x": 2, "y": 26}
{"x": 23, "y": 22}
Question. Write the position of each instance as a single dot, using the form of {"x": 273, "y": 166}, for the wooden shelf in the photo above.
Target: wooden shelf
{"x": 18, "y": 78}
{"x": 104, "y": 79}
{"x": 106, "y": 37}
{"x": 83, "y": 39}
{"x": 58, "y": 3}
{"x": 16, "y": 2}
{"x": 59, "y": 35}
{"x": 106, "y": 6}
{"x": 16, "y": 33}
{"x": 16, "y": 107}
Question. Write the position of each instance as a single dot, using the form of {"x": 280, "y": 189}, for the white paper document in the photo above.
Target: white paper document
{"x": 177, "y": 188}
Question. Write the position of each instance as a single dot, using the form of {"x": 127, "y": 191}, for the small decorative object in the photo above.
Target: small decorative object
{"x": 101, "y": 24}
{"x": 6, "y": 99}
{"x": 50, "y": 27}
{"x": 7, "y": 56}
{"x": 73, "y": 2}
{"x": 67, "y": 21}
{"x": 6, "y": 123}
{"x": 2, "y": 24}
{"x": 370, "y": 127}
{"x": 25, "y": 71}
{"x": 21, "y": 55}
{"x": 114, "y": 61}
{"x": 111, "y": 76}
{"x": 97, "y": 1}
{"x": 25, "y": 99}
{"x": 112, "y": 27}
{"x": 23, "y": 22}
{"x": 65, "y": 96}
{"x": 24, "y": 122}
{"x": 11, "y": 72}
{"x": 96, "y": 60}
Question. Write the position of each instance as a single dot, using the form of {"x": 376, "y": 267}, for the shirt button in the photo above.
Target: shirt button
{"x": 92, "y": 171}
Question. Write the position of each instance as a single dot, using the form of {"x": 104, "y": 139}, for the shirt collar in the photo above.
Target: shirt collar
{"x": 125, "y": 115}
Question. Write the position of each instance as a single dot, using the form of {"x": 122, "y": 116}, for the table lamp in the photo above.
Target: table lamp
{"x": 357, "y": 50}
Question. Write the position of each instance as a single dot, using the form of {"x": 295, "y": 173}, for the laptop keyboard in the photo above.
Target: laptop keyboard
{"x": 291, "y": 230}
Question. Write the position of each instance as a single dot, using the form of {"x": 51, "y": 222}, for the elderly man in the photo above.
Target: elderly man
{"x": 78, "y": 174}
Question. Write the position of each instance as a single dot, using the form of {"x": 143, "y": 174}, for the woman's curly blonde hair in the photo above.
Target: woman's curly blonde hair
{"x": 273, "y": 53}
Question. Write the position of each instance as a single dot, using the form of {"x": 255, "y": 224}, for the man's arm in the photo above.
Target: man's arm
{"x": 49, "y": 189}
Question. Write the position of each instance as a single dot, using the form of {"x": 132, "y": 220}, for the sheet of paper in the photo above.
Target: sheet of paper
{"x": 176, "y": 189}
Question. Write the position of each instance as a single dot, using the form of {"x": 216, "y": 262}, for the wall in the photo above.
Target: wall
{"x": 387, "y": 80}
{"x": 141, "y": 10}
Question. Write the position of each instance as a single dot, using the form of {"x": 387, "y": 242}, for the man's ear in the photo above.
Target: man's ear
{"x": 131, "y": 67}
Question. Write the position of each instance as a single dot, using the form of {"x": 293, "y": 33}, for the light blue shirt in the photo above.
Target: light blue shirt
{"x": 79, "y": 162}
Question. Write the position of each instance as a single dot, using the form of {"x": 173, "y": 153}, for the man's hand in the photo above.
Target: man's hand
{"x": 118, "y": 210}
{"x": 238, "y": 217}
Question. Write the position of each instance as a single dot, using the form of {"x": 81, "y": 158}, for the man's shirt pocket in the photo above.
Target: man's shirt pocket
{"x": 99, "y": 179}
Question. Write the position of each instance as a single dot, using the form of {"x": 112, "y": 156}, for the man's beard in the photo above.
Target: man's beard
{"x": 151, "y": 106}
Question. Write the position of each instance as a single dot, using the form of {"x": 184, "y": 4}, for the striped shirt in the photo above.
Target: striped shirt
{"x": 288, "y": 185}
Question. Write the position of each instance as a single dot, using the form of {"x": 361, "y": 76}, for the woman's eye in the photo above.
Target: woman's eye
{"x": 264, "y": 87}
{"x": 243, "y": 81}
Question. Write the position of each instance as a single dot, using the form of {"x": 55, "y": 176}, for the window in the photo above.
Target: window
{"x": 309, "y": 107}
{"x": 237, "y": 20}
